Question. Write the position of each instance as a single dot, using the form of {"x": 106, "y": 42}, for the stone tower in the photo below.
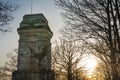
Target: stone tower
{"x": 34, "y": 52}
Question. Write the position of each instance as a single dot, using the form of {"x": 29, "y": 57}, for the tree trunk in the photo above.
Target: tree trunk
{"x": 114, "y": 71}
{"x": 69, "y": 74}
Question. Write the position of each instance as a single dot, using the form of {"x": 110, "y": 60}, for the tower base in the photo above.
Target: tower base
{"x": 28, "y": 75}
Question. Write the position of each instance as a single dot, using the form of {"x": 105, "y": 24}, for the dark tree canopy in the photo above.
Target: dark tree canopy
{"x": 6, "y": 10}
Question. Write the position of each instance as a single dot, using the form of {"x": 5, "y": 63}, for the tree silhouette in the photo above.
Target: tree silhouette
{"x": 96, "y": 23}
{"x": 66, "y": 57}
{"x": 10, "y": 66}
{"x": 6, "y": 10}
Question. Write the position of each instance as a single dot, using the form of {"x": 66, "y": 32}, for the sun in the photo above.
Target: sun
{"x": 90, "y": 62}
{"x": 90, "y": 65}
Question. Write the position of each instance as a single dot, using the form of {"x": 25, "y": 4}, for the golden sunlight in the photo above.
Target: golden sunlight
{"x": 90, "y": 65}
{"x": 90, "y": 62}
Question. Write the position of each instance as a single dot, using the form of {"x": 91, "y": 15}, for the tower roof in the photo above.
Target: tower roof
{"x": 35, "y": 17}
{"x": 34, "y": 21}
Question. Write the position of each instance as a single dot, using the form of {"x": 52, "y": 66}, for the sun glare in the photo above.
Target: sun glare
{"x": 90, "y": 63}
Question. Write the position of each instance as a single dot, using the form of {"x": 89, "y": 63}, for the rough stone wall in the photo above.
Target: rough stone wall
{"x": 34, "y": 49}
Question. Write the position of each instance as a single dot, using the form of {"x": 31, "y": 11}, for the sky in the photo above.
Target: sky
{"x": 9, "y": 40}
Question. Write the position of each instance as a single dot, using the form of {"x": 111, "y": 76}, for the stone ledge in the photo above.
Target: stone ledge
{"x": 42, "y": 32}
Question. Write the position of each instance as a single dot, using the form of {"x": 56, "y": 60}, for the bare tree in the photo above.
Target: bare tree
{"x": 67, "y": 56}
{"x": 102, "y": 53}
{"x": 6, "y": 10}
{"x": 101, "y": 72}
{"x": 9, "y": 67}
{"x": 96, "y": 21}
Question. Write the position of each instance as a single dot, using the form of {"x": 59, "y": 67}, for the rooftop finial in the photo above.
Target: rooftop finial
{"x": 31, "y": 5}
